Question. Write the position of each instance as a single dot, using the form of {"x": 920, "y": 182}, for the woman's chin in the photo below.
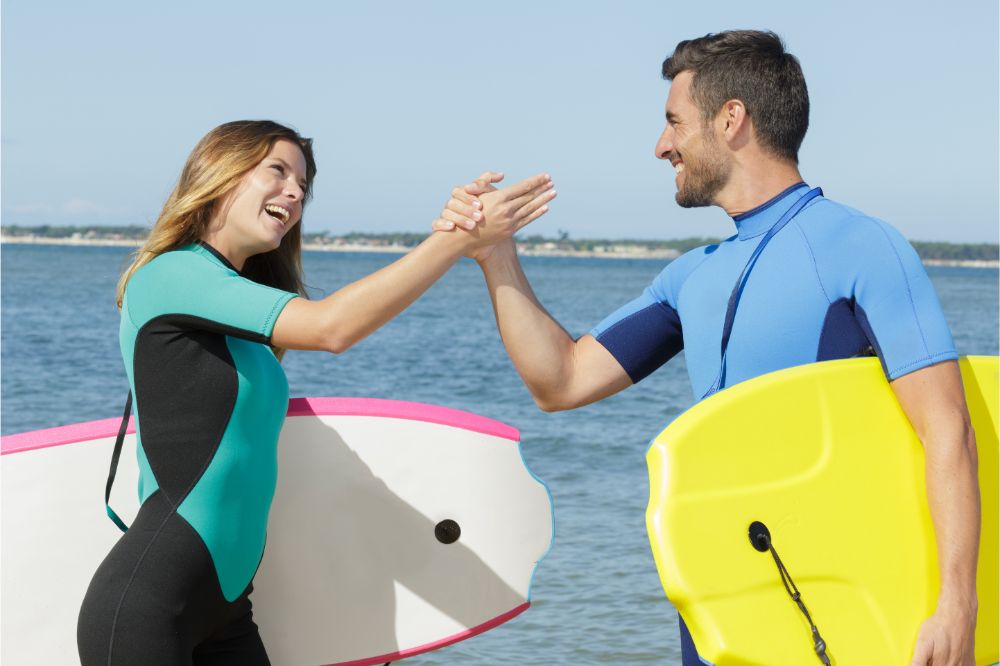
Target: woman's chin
{"x": 265, "y": 246}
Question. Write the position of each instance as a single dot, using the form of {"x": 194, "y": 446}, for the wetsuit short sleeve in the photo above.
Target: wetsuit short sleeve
{"x": 894, "y": 299}
{"x": 646, "y": 332}
{"x": 194, "y": 287}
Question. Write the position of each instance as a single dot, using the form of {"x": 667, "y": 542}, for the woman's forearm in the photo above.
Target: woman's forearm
{"x": 352, "y": 313}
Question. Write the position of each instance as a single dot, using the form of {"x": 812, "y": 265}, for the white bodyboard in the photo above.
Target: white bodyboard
{"x": 354, "y": 571}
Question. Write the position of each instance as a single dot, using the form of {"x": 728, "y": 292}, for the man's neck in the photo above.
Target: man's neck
{"x": 750, "y": 187}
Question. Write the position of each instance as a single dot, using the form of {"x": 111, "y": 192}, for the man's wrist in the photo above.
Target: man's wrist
{"x": 958, "y": 601}
{"x": 501, "y": 254}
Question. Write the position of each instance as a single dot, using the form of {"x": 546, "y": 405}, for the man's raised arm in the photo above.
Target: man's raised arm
{"x": 560, "y": 372}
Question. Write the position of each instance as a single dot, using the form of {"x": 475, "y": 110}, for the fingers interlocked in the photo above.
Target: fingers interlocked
{"x": 508, "y": 209}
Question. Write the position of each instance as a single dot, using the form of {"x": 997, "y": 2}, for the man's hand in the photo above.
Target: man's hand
{"x": 947, "y": 638}
{"x": 492, "y": 216}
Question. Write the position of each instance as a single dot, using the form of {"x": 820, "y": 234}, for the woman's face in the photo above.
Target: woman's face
{"x": 267, "y": 203}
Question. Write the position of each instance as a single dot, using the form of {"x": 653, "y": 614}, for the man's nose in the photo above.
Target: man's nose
{"x": 665, "y": 144}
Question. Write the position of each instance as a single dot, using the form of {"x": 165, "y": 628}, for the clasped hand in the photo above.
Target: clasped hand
{"x": 490, "y": 216}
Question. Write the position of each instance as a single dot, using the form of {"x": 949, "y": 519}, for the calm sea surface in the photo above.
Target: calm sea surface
{"x": 596, "y": 597}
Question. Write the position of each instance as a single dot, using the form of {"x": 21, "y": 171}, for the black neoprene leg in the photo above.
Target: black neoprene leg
{"x": 236, "y": 644}
{"x": 156, "y": 598}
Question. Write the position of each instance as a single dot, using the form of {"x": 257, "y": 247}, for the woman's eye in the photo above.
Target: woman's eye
{"x": 278, "y": 168}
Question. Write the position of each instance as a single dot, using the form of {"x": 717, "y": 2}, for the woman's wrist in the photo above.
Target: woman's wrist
{"x": 456, "y": 243}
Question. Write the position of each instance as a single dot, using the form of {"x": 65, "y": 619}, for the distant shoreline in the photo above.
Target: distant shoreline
{"x": 637, "y": 253}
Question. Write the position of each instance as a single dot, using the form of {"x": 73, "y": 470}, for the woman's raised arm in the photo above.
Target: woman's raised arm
{"x": 350, "y": 314}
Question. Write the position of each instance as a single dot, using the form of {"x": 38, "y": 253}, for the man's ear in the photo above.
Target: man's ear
{"x": 733, "y": 123}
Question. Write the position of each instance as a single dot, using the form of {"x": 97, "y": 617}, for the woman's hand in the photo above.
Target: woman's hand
{"x": 464, "y": 209}
{"x": 491, "y": 216}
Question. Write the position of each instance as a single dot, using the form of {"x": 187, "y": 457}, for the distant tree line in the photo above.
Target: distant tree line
{"x": 563, "y": 241}
{"x": 133, "y": 232}
{"x": 926, "y": 249}
{"x": 957, "y": 251}
{"x": 403, "y": 238}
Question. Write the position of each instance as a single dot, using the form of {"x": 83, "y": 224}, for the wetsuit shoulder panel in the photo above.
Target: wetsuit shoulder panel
{"x": 867, "y": 263}
{"x": 192, "y": 282}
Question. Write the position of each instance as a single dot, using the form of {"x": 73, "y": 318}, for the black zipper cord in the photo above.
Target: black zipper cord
{"x": 786, "y": 578}
{"x": 760, "y": 537}
{"x": 115, "y": 455}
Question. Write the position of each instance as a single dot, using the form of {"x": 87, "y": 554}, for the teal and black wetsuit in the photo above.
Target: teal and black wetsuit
{"x": 210, "y": 400}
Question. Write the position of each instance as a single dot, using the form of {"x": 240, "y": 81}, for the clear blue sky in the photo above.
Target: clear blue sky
{"x": 102, "y": 101}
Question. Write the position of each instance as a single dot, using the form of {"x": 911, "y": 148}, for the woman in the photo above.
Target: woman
{"x": 208, "y": 305}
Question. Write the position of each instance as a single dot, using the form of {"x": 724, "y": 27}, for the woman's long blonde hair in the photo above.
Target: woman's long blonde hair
{"x": 214, "y": 169}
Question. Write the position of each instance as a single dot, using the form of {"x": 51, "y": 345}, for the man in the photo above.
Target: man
{"x": 834, "y": 283}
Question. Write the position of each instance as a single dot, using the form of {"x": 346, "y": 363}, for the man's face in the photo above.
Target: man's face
{"x": 692, "y": 147}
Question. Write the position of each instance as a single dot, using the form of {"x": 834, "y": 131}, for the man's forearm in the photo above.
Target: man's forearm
{"x": 541, "y": 349}
{"x": 953, "y": 498}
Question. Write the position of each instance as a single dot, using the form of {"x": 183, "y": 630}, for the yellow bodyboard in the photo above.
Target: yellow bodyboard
{"x": 824, "y": 456}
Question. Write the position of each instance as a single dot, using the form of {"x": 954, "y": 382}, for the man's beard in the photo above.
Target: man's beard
{"x": 705, "y": 177}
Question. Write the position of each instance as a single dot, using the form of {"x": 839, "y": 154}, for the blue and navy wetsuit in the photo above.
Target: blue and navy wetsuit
{"x": 834, "y": 283}
{"x": 210, "y": 400}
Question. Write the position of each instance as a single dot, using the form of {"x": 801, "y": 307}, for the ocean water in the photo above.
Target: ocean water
{"x": 596, "y": 597}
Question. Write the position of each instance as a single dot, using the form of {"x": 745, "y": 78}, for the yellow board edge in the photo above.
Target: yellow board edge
{"x": 766, "y": 447}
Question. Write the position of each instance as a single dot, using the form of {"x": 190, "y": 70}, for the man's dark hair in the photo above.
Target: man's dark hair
{"x": 753, "y": 67}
